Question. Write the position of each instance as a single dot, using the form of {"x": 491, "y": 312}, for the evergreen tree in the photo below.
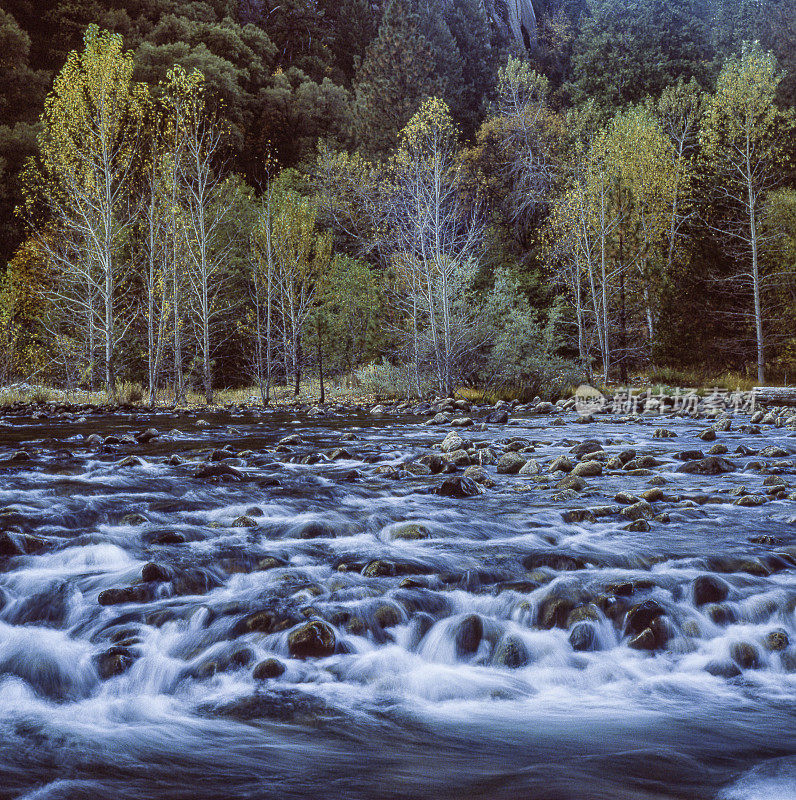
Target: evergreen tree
{"x": 479, "y": 52}
{"x": 399, "y": 71}
{"x": 628, "y": 49}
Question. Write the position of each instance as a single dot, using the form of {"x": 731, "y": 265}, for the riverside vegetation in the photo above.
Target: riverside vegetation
{"x": 511, "y": 196}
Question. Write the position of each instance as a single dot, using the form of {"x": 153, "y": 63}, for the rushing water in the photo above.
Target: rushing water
{"x": 455, "y": 671}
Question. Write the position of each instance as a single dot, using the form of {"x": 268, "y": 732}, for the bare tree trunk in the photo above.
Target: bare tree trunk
{"x": 320, "y": 363}
{"x": 761, "y": 361}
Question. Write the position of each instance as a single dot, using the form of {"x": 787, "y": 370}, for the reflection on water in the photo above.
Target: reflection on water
{"x": 308, "y": 620}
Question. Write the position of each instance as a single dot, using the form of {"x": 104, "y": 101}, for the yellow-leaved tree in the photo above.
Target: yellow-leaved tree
{"x": 79, "y": 190}
{"x": 743, "y": 138}
{"x": 434, "y": 233}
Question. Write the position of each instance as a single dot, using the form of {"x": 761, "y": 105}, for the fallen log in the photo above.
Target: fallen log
{"x": 775, "y": 395}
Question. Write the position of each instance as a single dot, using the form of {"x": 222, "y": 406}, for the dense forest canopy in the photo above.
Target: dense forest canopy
{"x": 519, "y": 195}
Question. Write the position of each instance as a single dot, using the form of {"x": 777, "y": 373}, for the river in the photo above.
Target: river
{"x": 211, "y": 614}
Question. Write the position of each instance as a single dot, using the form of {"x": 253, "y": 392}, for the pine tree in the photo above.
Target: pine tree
{"x": 398, "y": 72}
{"x": 479, "y": 52}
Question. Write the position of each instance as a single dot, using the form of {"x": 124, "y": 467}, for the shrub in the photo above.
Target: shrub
{"x": 129, "y": 393}
{"x": 522, "y": 357}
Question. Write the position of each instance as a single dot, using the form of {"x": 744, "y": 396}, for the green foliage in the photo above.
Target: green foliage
{"x": 612, "y": 102}
{"x": 627, "y": 50}
{"x": 522, "y": 355}
{"x": 399, "y": 71}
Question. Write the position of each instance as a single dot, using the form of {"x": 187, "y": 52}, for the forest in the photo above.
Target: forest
{"x": 197, "y": 196}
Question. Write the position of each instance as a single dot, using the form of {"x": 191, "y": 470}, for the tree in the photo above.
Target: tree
{"x": 83, "y": 177}
{"x": 743, "y": 136}
{"x": 205, "y": 205}
{"x": 647, "y": 173}
{"x": 301, "y": 258}
{"x": 436, "y": 241}
{"x": 398, "y": 73}
{"x": 628, "y": 49}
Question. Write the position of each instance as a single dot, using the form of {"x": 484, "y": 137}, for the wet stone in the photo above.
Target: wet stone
{"x": 115, "y": 661}
{"x": 510, "y": 463}
{"x": 641, "y": 615}
{"x": 583, "y": 637}
{"x": 709, "y": 589}
{"x": 268, "y": 669}
{"x": 315, "y": 639}
{"x": 745, "y": 655}
{"x": 777, "y": 641}
{"x": 511, "y": 653}
{"x": 458, "y": 487}
{"x": 467, "y": 635}
{"x": 129, "y": 594}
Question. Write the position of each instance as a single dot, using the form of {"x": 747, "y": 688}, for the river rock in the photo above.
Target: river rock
{"x": 14, "y": 543}
{"x": 452, "y": 442}
{"x": 530, "y": 467}
{"x": 268, "y": 669}
{"x": 640, "y": 510}
{"x": 141, "y": 593}
{"x": 147, "y": 436}
{"x": 561, "y": 464}
{"x": 639, "y": 617}
{"x": 777, "y": 640}
{"x": 409, "y": 531}
{"x": 572, "y": 482}
{"x": 156, "y": 573}
{"x": 511, "y": 653}
{"x": 745, "y": 655}
{"x": 459, "y": 458}
{"x": 583, "y": 637}
{"x": 711, "y": 465}
{"x": 750, "y": 500}
{"x": 114, "y": 661}
{"x": 219, "y": 470}
{"x": 586, "y": 448}
{"x": 459, "y": 487}
{"x": 467, "y": 635}
{"x": 709, "y": 589}
{"x": 772, "y": 451}
{"x": 315, "y": 639}
{"x": 587, "y": 469}
{"x": 420, "y": 625}
{"x": 722, "y": 669}
{"x": 479, "y": 475}
{"x": 510, "y": 463}
{"x": 379, "y": 569}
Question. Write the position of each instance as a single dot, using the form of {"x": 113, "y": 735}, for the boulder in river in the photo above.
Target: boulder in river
{"x": 114, "y": 661}
{"x": 458, "y": 487}
{"x": 745, "y": 655}
{"x": 583, "y": 636}
{"x": 711, "y": 465}
{"x": 315, "y": 639}
{"x": 587, "y": 469}
{"x": 467, "y": 635}
{"x": 709, "y": 589}
{"x": 218, "y": 470}
{"x": 142, "y": 593}
{"x": 510, "y": 463}
{"x": 511, "y": 653}
{"x": 268, "y": 669}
